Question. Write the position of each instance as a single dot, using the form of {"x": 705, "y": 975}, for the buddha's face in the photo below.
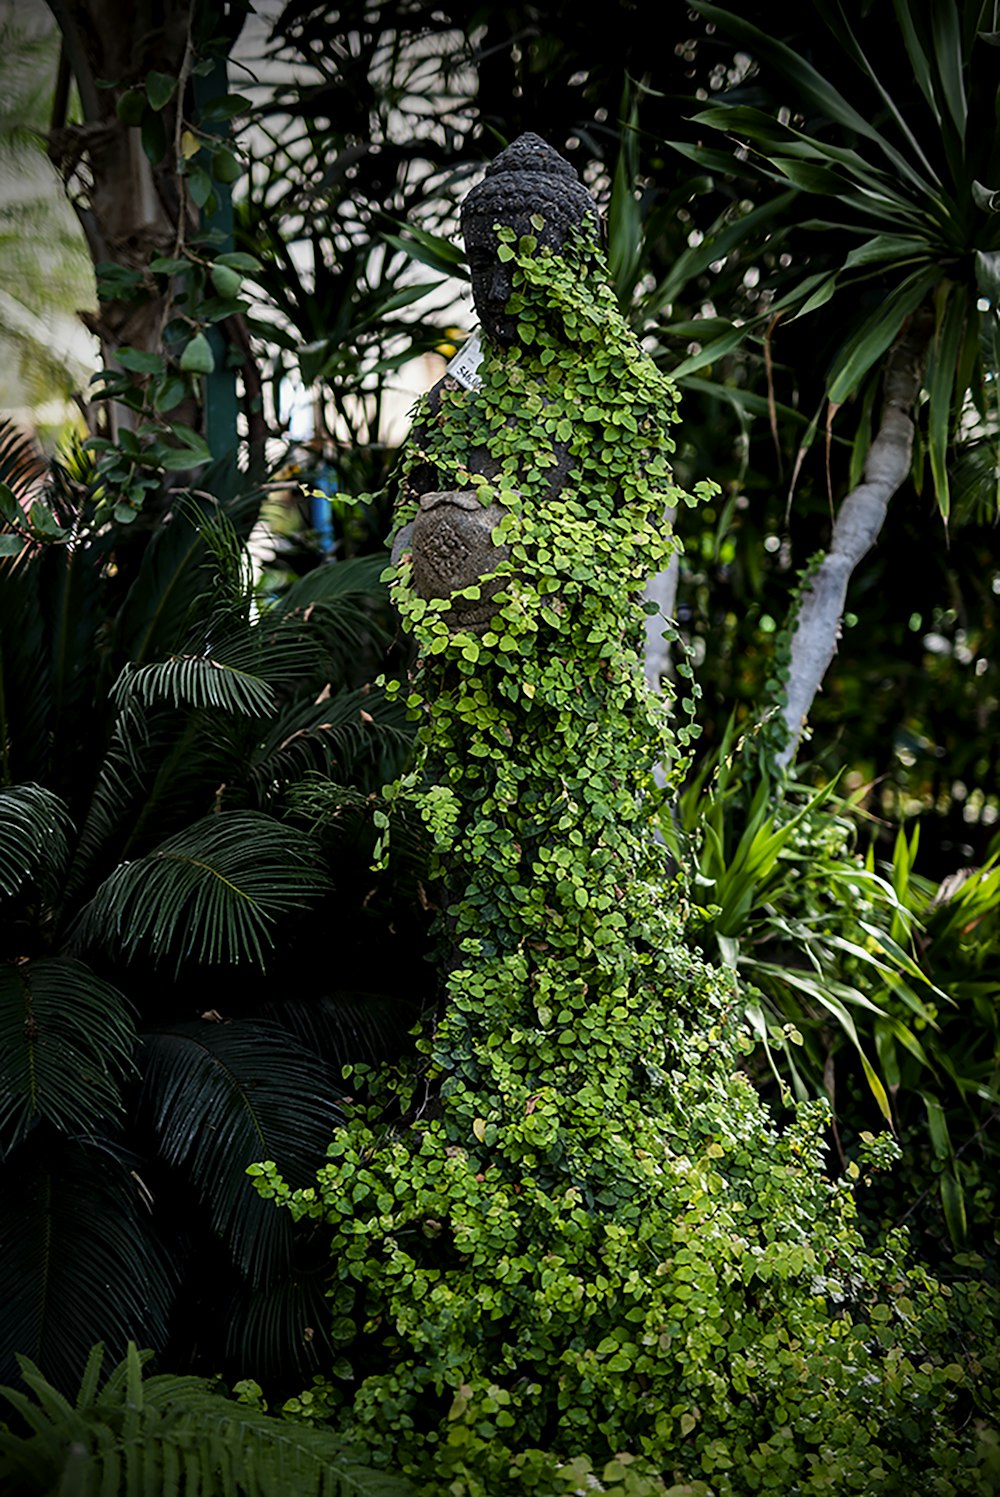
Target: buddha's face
{"x": 492, "y": 279}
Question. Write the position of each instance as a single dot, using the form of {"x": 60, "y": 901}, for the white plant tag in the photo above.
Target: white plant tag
{"x": 466, "y": 362}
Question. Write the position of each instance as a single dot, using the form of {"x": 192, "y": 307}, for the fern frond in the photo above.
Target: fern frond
{"x": 67, "y": 1043}
{"x": 34, "y": 837}
{"x": 176, "y": 1434}
{"x": 220, "y": 1097}
{"x": 212, "y": 893}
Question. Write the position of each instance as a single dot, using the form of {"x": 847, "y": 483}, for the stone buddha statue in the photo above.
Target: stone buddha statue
{"x": 450, "y": 539}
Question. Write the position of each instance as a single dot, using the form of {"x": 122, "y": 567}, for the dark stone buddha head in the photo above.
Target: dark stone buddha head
{"x": 528, "y": 178}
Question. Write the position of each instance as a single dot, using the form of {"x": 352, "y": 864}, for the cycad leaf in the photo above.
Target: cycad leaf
{"x": 220, "y": 1097}
{"x": 175, "y": 572}
{"x": 77, "y": 1258}
{"x": 212, "y": 893}
{"x": 339, "y": 600}
{"x": 196, "y": 681}
{"x": 34, "y": 827}
{"x": 348, "y": 1026}
{"x": 66, "y": 1043}
{"x": 355, "y": 736}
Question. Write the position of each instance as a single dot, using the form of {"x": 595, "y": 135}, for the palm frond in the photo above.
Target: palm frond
{"x": 67, "y": 1042}
{"x": 283, "y": 1326}
{"x": 77, "y": 1257}
{"x": 74, "y": 604}
{"x": 25, "y": 688}
{"x": 34, "y": 837}
{"x": 340, "y": 600}
{"x": 357, "y": 577}
{"x": 169, "y": 1434}
{"x": 120, "y": 783}
{"x": 222, "y": 1096}
{"x": 341, "y": 816}
{"x": 212, "y": 893}
{"x": 288, "y": 654}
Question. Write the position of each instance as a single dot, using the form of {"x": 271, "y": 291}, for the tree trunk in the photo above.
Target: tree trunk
{"x": 857, "y": 527}
{"x": 661, "y": 590}
{"x": 131, "y": 209}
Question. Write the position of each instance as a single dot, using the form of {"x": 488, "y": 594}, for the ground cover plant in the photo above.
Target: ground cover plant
{"x": 569, "y": 1243}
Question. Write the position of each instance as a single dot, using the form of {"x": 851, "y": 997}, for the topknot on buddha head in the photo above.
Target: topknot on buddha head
{"x": 527, "y": 180}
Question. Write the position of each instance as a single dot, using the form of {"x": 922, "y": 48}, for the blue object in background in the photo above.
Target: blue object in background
{"x": 320, "y": 508}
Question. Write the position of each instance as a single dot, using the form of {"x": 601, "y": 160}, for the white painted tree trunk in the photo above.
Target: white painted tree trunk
{"x": 859, "y": 521}
{"x": 661, "y": 590}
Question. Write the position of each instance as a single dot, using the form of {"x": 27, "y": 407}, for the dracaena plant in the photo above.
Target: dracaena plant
{"x": 863, "y": 980}
{"x": 867, "y": 199}
{"x": 183, "y": 964}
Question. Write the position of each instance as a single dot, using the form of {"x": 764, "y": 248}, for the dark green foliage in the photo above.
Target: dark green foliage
{"x": 162, "y": 901}
{"x": 67, "y": 1039}
{"x": 138, "y": 1436}
{"x": 76, "y": 1220}
{"x": 586, "y": 1250}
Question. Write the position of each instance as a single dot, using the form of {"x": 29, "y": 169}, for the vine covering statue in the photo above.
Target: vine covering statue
{"x": 570, "y": 1246}
{"x": 530, "y": 191}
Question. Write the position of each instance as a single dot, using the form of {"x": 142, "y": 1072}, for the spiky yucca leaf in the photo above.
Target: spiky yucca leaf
{"x": 34, "y": 824}
{"x": 66, "y": 1045}
{"x": 906, "y": 201}
{"x": 222, "y": 1096}
{"x": 212, "y": 893}
{"x": 77, "y": 1258}
{"x": 170, "y": 1435}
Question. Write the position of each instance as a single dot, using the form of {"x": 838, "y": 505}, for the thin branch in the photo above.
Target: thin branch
{"x": 857, "y": 528}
